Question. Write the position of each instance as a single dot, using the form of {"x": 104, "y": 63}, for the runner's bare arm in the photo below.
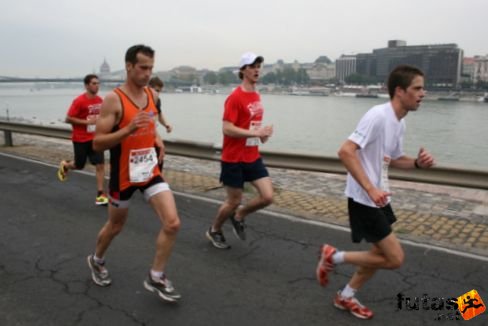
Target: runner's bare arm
{"x": 424, "y": 160}
{"x": 162, "y": 120}
{"x": 78, "y": 121}
{"x": 161, "y": 117}
{"x": 109, "y": 117}
{"x": 231, "y": 130}
{"x": 159, "y": 143}
{"x": 348, "y": 155}
{"x": 403, "y": 162}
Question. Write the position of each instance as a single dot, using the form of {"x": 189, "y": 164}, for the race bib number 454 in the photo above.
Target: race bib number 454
{"x": 141, "y": 164}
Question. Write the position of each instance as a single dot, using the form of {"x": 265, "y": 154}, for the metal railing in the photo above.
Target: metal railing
{"x": 442, "y": 175}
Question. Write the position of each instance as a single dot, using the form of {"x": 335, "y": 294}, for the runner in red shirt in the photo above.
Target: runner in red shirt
{"x": 241, "y": 161}
{"x": 82, "y": 115}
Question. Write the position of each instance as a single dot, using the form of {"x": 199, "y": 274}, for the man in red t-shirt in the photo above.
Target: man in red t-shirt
{"x": 82, "y": 115}
{"x": 241, "y": 161}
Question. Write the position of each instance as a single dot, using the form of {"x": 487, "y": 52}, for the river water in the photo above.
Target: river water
{"x": 455, "y": 132}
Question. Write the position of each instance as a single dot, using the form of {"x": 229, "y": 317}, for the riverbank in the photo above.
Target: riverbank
{"x": 371, "y": 91}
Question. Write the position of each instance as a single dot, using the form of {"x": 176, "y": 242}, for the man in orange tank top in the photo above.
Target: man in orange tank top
{"x": 126, "y": 127}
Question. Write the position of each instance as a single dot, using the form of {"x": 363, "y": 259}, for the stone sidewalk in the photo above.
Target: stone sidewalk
{"x": 450, "y": 217}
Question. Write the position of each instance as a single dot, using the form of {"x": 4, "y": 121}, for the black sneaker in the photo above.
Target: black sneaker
{"x": 217, "y": 238}
{"x": 163, "y": 288}
{"x": 239, "y": 227}
{"x": 100, "y": 274}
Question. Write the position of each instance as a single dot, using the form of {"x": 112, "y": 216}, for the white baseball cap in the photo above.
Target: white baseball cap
{"x": 250, "y": 58}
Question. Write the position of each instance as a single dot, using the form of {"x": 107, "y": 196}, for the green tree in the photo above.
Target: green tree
{"x": 210, "y": 78}
{"x": 287, "y": 76}
{"x": 269, "y": 78}
{"x": 227, "y": 77}
{"x": 302, "y": 77}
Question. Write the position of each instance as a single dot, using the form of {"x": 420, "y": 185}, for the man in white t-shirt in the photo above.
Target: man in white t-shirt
{"x": 372, "y": 148}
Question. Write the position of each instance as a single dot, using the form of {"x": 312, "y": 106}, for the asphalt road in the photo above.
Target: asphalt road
{"x": 47, "y": 228}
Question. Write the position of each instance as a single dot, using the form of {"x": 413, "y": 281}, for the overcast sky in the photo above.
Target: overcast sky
{"x": 71, "y": 38}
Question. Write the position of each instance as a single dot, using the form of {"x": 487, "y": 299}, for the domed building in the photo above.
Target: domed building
{"x": 104, "y": 68}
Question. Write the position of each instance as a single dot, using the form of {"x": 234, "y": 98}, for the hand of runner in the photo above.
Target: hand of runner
{"x": 379, "y": 197}
{"x": 269, "y": 130}
{"x": 266, "y": 131}
{"x": 425, "y": 159}
{"x": 141, "y": 120}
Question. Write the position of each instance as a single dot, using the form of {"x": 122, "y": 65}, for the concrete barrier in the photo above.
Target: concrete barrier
{"x": 442, "y": 175}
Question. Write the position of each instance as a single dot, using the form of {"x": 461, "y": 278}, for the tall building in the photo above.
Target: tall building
{"x": 467, "y": 74}
{"x": 480, "y": 73}
{"x": 104, "y": 68}
{"x": 441, "y": 63}
{"x": 366, "y": 64}
{"x": 345, "y": 66}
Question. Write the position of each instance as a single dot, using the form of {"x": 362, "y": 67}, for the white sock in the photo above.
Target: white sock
{"x": 338, "y": 257}
{"x": 97, "y": 260}
{"x": 348, "y": 292}
{"x": 155, "y": 275}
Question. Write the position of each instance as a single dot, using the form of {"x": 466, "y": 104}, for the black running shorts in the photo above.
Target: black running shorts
{"x": 85, "y": 150}
{"x": 235, "y": 174}
{"x": 372, "y": 224}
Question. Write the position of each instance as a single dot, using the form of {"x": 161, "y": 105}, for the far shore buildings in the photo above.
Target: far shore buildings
{"x": 480, "y": 69}
{"x": 442, "y": 63}
{"x": 475, "y": 69}
{"x": 320, "y": 71}
{"x": 468, "y": 68}
{"x": 345, "y": 66}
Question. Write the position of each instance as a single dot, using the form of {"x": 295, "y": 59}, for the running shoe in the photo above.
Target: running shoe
{"x": 353, "y": 306}
{"x": 217, "y": 239}
{"x": 101, "y": 200}
{"x": 325, "y": 264}
{"x": 100, "y": 275}
{"x": 239, "y": 227}
{"x": 62, "y": 171}
{"x": 163, "y": 288}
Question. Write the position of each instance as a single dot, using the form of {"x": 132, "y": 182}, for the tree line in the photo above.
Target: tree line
{"x": 286, "y": 77}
